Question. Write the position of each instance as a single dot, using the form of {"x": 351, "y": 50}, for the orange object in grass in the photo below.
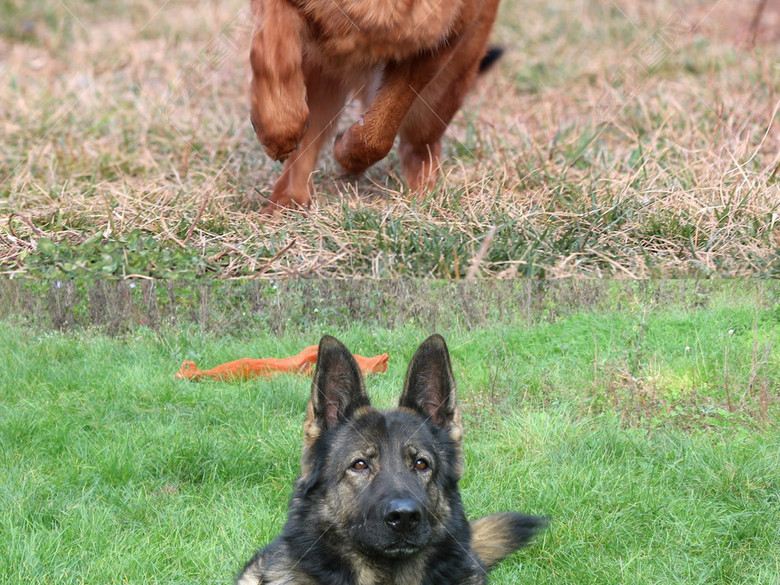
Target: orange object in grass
{"x": 248, "y": 368}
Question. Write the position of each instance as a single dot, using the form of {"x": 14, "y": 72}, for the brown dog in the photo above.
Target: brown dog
{"x": 411, "y": 61}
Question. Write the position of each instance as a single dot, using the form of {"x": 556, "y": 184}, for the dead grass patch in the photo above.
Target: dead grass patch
{"x": 619, "y": 139}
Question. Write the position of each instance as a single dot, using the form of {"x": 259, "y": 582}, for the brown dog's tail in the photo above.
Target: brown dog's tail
{"x": 493, "y": 54}
{"x": 497, "y": 536}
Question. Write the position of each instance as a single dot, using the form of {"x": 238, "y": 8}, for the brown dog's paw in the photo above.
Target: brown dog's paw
{"x": 283, "y": 200}
{"x": 273, "y": 207}
{"x": 420, "y": 166}
{"x": 344, "y": 153}
{"x": 356, "y": 149}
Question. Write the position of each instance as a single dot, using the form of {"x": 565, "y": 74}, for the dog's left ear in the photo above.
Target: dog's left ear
{"x": 337, "y": 390}
{"x": 430, "y": 387}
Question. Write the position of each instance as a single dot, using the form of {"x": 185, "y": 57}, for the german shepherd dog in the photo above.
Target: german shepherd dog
{"x": 411, "y": 61}
{"x": 377, "y": 500}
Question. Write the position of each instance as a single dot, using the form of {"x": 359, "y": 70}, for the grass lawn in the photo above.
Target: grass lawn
{"x": 647, "y": 432}
{"x": 626, "y": 138}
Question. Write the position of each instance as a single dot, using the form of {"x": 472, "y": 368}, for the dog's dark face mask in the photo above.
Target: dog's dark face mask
{"x": 390, "y": 473}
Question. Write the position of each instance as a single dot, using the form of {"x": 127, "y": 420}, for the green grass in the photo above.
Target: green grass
{"x": 625, "y": 140}
{"x": 657, "y": 464}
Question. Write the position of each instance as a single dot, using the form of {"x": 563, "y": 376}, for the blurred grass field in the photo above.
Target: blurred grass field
{"x": 622, "y": 139}
{"x": 642, "y": 419}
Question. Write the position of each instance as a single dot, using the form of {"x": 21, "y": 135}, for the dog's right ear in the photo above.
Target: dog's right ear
{"x": 337, "y": 391}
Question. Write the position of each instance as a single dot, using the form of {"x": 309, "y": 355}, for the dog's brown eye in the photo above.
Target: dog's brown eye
{"x": 360, "y": 465}
{"x": 421, "y": 464}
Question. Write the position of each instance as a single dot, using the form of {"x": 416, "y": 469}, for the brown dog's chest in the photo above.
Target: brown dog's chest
{"x": 361, "y": 34}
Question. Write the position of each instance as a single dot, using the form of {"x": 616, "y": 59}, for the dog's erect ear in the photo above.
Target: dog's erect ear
{"x": 337, "y": 391}
{"x": 430, "y": 387}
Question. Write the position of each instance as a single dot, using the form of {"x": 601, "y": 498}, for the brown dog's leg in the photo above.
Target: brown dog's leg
{"x": 434, "y": 85}
{"x": 295, "y": 187}
{"x": 279, "y": 110}
{"x": 423, "y": 127}
{"x": 370, "y": 139}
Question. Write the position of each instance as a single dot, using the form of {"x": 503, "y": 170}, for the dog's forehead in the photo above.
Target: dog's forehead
{"x": 407, "y": 425}
{"x": 396, "y": 427}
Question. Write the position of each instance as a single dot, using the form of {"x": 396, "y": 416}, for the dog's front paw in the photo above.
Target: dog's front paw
{"x": 342, "y": 152}
{"x": 358, "y": 148}
{"x": 285, "y": 198}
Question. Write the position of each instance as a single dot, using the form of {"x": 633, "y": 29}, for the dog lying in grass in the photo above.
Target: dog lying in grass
{"x": 410, "y": 61}
{"x": 377, "y": 501}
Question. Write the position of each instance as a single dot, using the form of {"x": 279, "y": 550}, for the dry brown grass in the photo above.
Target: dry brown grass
{"x": 625, "y": 138}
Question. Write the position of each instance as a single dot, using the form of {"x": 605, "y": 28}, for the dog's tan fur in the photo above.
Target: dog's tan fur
{"x": 411, "y": 60}
{"x": 491, "y": 537}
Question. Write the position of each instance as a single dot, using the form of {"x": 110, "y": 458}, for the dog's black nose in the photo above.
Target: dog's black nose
{"x": 403, "y": 514}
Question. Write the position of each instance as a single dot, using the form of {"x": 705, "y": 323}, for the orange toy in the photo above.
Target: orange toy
{"x": 247, "y": 368}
